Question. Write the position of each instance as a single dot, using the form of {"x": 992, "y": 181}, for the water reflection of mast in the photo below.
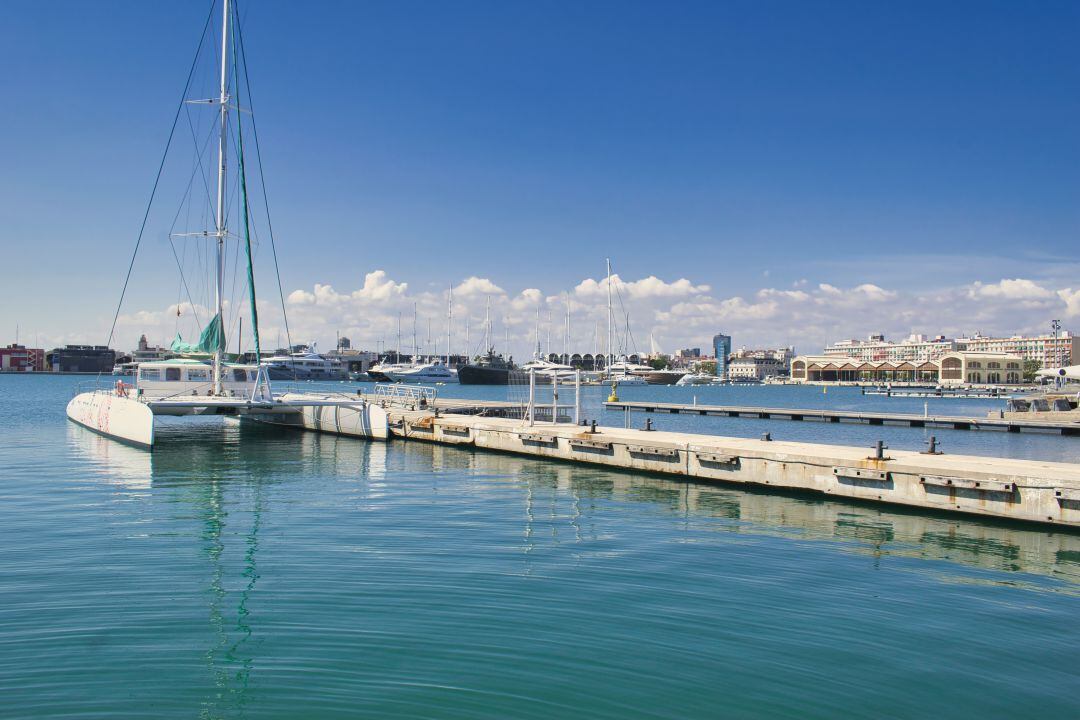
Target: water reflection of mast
{"x": 230, "y": 667}
{"x": 529, "y": 519}
{"x": 213, "y": 527}
{"x": 242, "y": 612}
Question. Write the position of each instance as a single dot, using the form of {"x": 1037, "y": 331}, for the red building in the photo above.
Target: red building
{"x": 19, "y": 358}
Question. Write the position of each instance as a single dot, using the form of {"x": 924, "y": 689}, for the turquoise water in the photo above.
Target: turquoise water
{"x": 256, "y": 572}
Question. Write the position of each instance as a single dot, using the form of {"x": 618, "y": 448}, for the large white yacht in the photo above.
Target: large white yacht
{"x": 433, "y": 372}
{"x": 545, "y": 370}
{"x": 305, "y": 366}
{"x": 626, "y": 379}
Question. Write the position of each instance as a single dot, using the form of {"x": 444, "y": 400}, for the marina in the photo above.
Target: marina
{"x": 244, "y": 559}
{"x": 805, "y": 449}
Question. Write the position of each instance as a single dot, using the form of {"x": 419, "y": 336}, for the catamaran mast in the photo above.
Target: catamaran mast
{"x": 223, "y": 136}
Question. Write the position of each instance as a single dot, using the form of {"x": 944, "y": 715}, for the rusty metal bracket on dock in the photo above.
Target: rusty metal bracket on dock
{"x": 717, "y": 458}
{"x": 654, "y": 451}
{"x": 969, "y": 483}
{"x": 538, "y": 438}
{"x": 590, "y": 444}
{"x": 861, "y": 473}
{"x": 1066, "y": 495}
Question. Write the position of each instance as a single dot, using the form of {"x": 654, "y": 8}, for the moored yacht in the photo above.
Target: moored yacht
{"x": 696, "y": 379}
{"x": 434, "y": 372}
{"x": 489, "y": 369}
{"x": 304, "y": 366}
{"x": 203, "y": 383}
{"x": 661, "y": 377}
{"x": 546, "y": 370}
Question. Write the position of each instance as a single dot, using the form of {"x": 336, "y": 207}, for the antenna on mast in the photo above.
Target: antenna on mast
{"x": 449, "y": 321}
{"x": 608, "y": 360}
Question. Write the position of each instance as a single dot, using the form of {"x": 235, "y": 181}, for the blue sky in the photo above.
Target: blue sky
{"x": 930, "y": 150}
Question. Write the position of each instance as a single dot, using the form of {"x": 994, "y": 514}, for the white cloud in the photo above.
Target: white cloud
{"x": 645, "y": 288}
{"x": 1071, "y": 298}
{"x": 1015, "y": 289}
{"x": 477, "y": 286}
{"x": 679, "y": 313}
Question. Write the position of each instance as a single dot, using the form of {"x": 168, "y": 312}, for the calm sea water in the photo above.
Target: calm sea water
{"x": 255, "y": 572}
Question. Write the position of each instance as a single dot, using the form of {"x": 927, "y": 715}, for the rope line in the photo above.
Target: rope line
{"x": 160, "y": 170}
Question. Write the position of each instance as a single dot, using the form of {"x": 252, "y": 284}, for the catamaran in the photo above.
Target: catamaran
{"x": 201, "y": 382}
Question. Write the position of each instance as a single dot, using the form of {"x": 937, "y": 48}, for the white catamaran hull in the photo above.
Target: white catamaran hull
{"x": 113, "y": 416}
{"x": 129, "y": 420}
{"x": 331, "y": 413}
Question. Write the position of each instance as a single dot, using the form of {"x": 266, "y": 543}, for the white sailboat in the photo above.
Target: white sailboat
{"x": 206, "y": 384}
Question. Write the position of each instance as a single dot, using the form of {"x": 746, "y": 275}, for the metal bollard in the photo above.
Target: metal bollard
{"x": 766, "y": 437}
{"x": 648, "y": 425}
{"x": 932, "y": 446}
{"x": 879, "y": 450}
{"x": 593, "y": 428}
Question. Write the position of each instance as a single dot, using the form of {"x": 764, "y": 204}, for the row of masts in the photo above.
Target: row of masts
{"x": 609, "y": 343}
{"x": 220, "y": 232}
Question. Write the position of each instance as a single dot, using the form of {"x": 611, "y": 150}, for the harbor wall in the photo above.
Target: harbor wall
{"x": 1042, "y": 492}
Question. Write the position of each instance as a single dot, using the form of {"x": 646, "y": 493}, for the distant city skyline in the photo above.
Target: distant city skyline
{"x": 677, "y": 314}
{"x": 782, "y": 173}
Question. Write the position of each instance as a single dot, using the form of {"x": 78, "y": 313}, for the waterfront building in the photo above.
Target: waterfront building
{"x": 81, "y": 358}
{"x": 145, "y": 352}
{"x": 980, "y": 368}
{"x": 721, "y": 350}
{"x": 1047, "y": 350}
{"x": 876, "y": 348}
{"x": 759, "y": 364}
{"x": 954, "y": 368}
{"x": 19, "y": 358}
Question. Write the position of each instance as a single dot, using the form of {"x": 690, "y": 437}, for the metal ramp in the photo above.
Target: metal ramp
{"x": 414, "y": 397}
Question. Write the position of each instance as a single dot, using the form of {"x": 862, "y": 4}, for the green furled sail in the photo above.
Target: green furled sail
{"x": 244, "y": 207}
{"x": 211, "y": 340}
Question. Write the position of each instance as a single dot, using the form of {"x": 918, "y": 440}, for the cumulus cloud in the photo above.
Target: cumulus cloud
{"x": 645, "y": 288}
{"x": 1015, "y": 289}
{"x": 477, "y": 286}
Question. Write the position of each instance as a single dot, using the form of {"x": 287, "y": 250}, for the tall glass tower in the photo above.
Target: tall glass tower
{"x": 721, "y": 349}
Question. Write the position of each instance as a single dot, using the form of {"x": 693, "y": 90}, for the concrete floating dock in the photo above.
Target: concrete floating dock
{"x": 1009, "y": 424}
{"x": 1042, "y": 492}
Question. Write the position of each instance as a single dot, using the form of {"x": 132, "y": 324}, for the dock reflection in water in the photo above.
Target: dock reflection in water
{"x": 409, "y": 578}
{"x": 569, "y": 493}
